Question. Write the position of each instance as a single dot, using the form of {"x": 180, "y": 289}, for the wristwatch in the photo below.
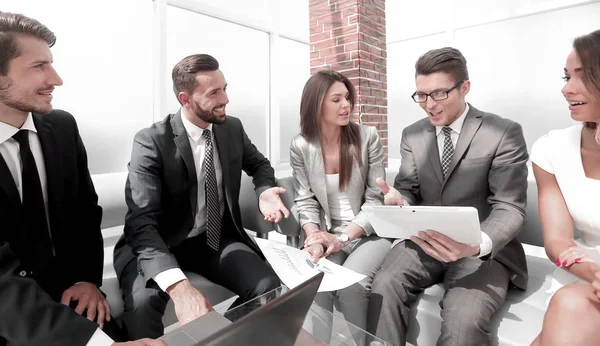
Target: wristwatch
{"x": 343, "y": 238}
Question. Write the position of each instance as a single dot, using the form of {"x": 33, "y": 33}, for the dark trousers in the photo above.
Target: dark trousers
{"x": 235, "y": 266}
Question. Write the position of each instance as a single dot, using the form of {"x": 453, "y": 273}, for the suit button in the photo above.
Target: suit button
{"x": 23, "y": 273}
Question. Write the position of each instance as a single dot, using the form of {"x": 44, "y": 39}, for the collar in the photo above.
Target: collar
{"x": 7, "y": 131}
{"x": 192, "y": 130}
{"x": 456, "y": 126}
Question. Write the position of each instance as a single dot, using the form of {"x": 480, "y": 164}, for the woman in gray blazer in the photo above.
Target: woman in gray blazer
{"x": 335, "y": 164}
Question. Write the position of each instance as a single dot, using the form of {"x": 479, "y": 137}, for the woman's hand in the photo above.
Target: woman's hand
{"x": 326, "y": 240}
{"x": 571, "y": 255}
{"x": 315, "y": 251}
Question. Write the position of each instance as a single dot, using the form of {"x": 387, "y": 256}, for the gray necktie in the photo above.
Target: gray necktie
{"x": 448, "y": 150}
{"x": 213, "y": 210}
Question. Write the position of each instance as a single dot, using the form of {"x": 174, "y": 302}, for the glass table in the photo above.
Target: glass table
{"x": 343, "y": 333}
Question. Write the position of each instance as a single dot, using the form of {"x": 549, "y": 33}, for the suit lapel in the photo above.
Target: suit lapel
{"x": 53, "y": 164}
{"x": 468, "y": 131}
{"x": 183, "y": 145}
{"x": 431, "y": 150}
{"x": 220, "y": 135}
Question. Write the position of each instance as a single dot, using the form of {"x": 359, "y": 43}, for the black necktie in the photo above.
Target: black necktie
{"x": 34, "y": 218}
{"x": 213, "y": 209}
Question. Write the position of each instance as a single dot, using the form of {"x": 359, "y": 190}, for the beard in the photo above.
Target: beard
{"x": 24, "y": 104}
{"x": 208, "y": 115}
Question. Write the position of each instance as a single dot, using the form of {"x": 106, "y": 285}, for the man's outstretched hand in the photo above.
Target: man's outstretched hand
{"x": 271, "y": 206}
{"x": 391, "y": 196}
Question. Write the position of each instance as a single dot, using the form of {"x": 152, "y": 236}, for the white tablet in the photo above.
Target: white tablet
{"x": 458, "y": 223}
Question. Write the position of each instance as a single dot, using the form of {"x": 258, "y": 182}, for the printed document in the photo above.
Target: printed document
{"x": 294, "y": 266}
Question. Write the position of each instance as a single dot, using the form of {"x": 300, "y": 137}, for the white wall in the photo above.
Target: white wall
{"x": 263, "y": 52}
{"x": 515, "y": 51}
{"x": 116, "y": 57}
{"x": 103, "y": 53}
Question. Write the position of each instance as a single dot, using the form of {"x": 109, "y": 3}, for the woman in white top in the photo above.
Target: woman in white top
{"x": 566, "y": 164}
{"x": 335, "y": 164}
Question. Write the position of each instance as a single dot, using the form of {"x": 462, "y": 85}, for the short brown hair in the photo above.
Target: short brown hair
{"x": 184, "y": 73}
{"x": 587, "y": 48}
{"x": 449, "y": 60}
{"x": 11, "y": 25}
{"x": 310, "y": 119}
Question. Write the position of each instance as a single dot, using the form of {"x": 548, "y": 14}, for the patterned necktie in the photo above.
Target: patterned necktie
{"x": 213, "y": 210}
{"x": 35, "y": 222}
{"x": 448, "y": 150}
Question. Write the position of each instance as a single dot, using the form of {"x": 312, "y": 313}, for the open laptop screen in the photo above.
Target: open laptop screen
{"x": 277, "y": 323}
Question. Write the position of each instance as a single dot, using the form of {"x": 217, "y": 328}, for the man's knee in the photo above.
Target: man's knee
{"x": 389, "y": 284}
{"x": 265, "y": 284}
{"x": 468, "y": 317}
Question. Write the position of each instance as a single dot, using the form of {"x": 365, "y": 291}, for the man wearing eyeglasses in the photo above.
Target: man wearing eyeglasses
{"x": 457, "y": 156}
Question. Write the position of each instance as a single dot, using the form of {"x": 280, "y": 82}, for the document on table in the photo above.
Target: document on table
{"x": 294, "y": 266}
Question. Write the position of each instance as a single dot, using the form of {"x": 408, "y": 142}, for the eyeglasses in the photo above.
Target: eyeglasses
{"x": 436, "y": 95}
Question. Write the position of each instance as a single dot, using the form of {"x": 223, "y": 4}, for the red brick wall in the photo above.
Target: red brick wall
{"x": 349, "y": 36}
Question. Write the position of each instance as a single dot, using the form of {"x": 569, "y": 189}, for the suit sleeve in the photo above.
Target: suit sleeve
{"x": 88, "y": 259}
{"x": 256, "y": 165}
{"x": 143, "y": 198}
{"x": 306, "y": 203}
{"x": 508, "y": 189}
{"x": 376, "y": 169}
{"x": 28, "y": 316}
{"x": 407, "y": 180}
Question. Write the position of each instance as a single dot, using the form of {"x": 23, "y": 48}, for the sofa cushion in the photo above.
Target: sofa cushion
{"x": 110, "y": 188}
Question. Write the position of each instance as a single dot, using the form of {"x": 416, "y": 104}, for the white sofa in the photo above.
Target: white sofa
{"x": 517, "y": 323}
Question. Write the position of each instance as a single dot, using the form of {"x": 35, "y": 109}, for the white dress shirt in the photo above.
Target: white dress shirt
{"x": 485, "y": 248}
{"x": 198, "y": 145}
{"x": 9, "y": 149}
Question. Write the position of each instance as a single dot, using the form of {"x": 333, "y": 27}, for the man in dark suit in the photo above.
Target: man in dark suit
{"x": 182, "y": 192}
{"x": 51, "y": 249}
{"x": 458, "y": 156}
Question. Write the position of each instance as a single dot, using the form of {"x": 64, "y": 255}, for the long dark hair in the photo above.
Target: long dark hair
{"x": 310, "y": 119}
{"x": 587, "y": 48}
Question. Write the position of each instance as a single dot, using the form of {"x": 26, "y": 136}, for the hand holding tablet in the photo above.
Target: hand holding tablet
{"x": 460, "y": 224}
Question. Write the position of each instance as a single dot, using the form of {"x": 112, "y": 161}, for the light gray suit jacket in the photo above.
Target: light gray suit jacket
{"x": 488, "y": 171}
{"x": 309, "y": 180}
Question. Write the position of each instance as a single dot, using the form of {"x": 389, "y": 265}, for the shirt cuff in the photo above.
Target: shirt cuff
{"x": 485, "y": 248}
{"x": 168, "y": 277}
{"x": 99, "y": 338}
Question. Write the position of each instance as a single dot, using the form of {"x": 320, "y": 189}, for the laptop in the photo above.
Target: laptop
{"x": 401, "y": 222}
{"x": 277, "y": 323}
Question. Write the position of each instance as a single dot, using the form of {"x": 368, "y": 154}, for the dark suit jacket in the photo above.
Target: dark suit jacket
{"x": 30, "y": 313}
{"x": 488, "y": 171}
{"x": 162, "y": 189}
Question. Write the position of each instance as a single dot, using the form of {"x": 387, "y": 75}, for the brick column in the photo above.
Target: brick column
{"x": 349, "y": 36}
